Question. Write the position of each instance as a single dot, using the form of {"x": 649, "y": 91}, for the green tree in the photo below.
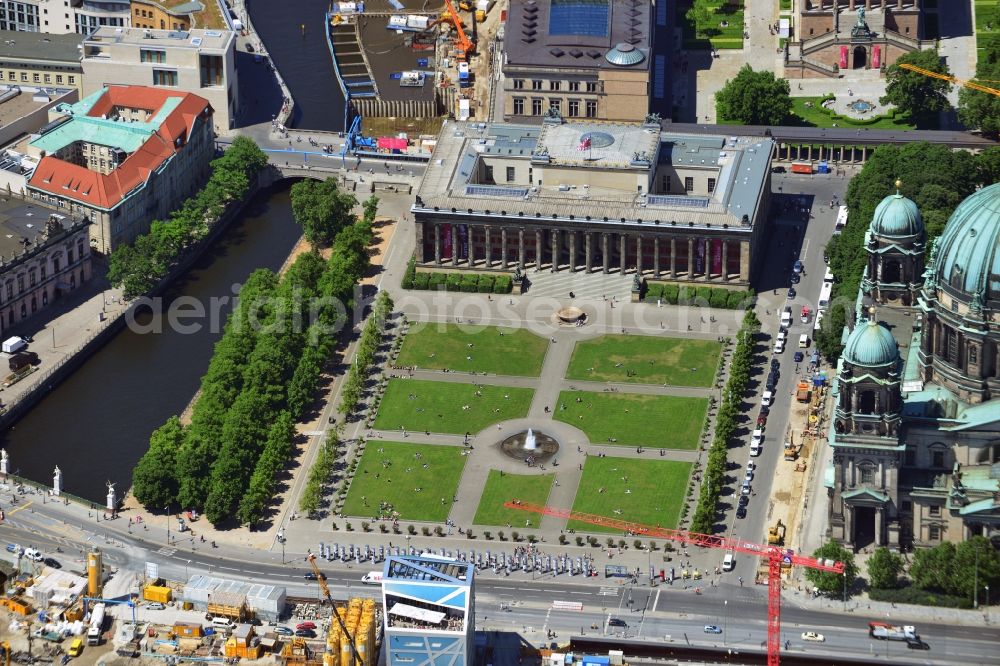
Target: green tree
{"x": 321, "y": 209}
{"x": 832, "y": 583}
{"x": 975, "y": 560}
{"x": 918, "y": 95}
{"x": 154, "y": 481}
{"x": 932, "y": 567}
{"x": 700, "y": 17}
{"x": 981, "y": 110}
{"x": 884, "y": 568}
{"x": 754, "y": 98}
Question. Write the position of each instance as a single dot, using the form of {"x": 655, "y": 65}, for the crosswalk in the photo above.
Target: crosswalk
{"x": 167, "y": 552}
{"x": 609, "y": 592}
{"x": 592, "y": 286}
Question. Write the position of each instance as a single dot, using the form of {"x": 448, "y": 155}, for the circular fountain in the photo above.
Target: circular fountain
{"x": 530, "y": 444}
{"x": 571, "y": 315}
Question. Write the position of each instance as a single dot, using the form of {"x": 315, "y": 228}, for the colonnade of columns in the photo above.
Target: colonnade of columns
{"x": 834, "y": 154}
{"x": 852, "y": 5}
{"x": 659, "y": 255}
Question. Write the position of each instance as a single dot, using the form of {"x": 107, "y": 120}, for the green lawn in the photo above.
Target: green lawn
{"x": 987, "y": 13}
{"x": 657, "y": 491}
{"x": 501, "y": 351}
{"x": 712, "y": 34}
{"x": 438, "y": 406}
{"x": 814, "y": 117}
{"x": 646, "y": 360}
{"x": 499, "y": 489}
{"x": 391, "y": 472}
{"x": 654, "y": 421}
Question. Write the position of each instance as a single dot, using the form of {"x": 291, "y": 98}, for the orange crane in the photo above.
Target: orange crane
{"x": 947, "y": 77}
{"x": 464, "y": 44}
{"x": 321, "y": 579}
{"x": 776, "y": 557}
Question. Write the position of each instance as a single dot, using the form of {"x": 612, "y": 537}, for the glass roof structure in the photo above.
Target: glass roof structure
{"x": 589, "y": 18}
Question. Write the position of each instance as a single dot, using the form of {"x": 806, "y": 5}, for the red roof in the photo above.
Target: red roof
{"x": 65, "y": 179}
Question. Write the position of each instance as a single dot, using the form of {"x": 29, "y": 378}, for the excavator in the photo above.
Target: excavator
{"x": 464, "y": 45}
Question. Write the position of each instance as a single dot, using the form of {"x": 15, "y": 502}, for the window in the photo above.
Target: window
{"x": 591, "y": 86}
{"x": 518, "y": 84}
{"x": 152, "y": 55}
{"x": 574, "y": 86}
{"x": 933, "y": 533}
{"x": 35, "y": 78}
{"x": 591, "y": 108}
{"x": 43, "y": 270}
{"x": 20, "y": 283}
{"x": 711, "y": 185}
{"x": 10, "y": 290}
{"x": 934, "y": 510}
{"x": 688, "y": 184}
{"x": 536, "y": 84}
{"x": 937, "y": 458}
{"x": 24, "y": 77}
{"x": 212, "y": 70}
{"x": 536, "y": 106}
{"x": 31, "y": 278}
{"x": 867, "y": 473}
{"x": 48, "y": 78}
{"x": 555, "y": 85}
{"x": 574, "y": 108}
{"x": 69, "y": 256}
{"x": 510, "y": 175}
{"x": 12, "y": 76}
{"x": 71, "y": 80}
{"x": 555, "y": 103}
{"x": 164, "y": 77}
{"x": 906, "y": 506}
{"x": 488, "y": 174}
{"x": 518, "y": 106}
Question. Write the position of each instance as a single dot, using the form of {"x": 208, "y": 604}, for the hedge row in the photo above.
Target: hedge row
{"x": 483, "y": 283}
{"x": 914, "y": 595}
{"x": 716, "y": 297}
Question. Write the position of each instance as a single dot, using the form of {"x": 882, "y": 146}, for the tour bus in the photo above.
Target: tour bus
{"x": 841, "y": 218}
{"x": 824, "y": 295}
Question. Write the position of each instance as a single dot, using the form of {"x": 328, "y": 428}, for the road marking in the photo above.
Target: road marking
{"x": 657, "y": 600}
{"x": 505, "y": 588}
{"x": 608, "y": 592}
{"x": 23, "y": 506}
{"x": 586, "y": 593}
{"x": 167, "y": 552}
{"x": 229, "y": 568}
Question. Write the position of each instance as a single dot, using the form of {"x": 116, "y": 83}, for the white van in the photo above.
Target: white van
{"x": 766, "y": 399}
{"x": 728, "y": 562}
{"x": 223, "y": 623}
{"x": 372, "y": 578}
{"x": 803, "y": 341}
{"x": 779, "y": 346}
{"x": 33, "y": 555}
{"x": 757, "y": 438}
{"x": 786, "y": 317}
{"x": 755, "y": 449}
{"x": 782, "y": 336}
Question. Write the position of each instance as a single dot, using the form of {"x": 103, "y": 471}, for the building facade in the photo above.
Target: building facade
{"x": 594, "y": 197}
{"x": 123, "y": 156}
{"x": 39, "y": 263}
{"x": 916, "y": 436}
{"x": 38, "y": 60}
{"x": 202, "y": 62}
{"x": 70, "y": 16}
{"x": 151, "y": 15}
{"x": 429, "y": 610}
{"x": 835, "y": 35}
{"x": 583, "y": 58}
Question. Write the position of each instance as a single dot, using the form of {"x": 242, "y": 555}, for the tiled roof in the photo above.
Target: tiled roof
{"x": 150, "y": 145}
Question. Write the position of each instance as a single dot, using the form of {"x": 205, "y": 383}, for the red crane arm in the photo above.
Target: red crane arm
{"x": 694, "y": 538}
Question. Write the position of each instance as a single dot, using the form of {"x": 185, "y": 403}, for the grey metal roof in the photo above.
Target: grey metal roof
{"x": 528, "y": 40}
{"x": 28, "y": 46}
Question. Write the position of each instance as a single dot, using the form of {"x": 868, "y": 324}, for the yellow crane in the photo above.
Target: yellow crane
{"x": 951, "y": 79}
{"x": 321, "y": 579}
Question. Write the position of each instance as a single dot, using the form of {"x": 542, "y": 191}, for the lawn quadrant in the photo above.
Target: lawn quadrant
{"x": 632, "y": 419}
{"x": 382, "y": 476}
{"x": 646, "y": 360}
{"x": 518, "y": 352}
{"x": 532, "y": 488}
{"x": 657, "y": 491}
{"x": 438, "y": 406}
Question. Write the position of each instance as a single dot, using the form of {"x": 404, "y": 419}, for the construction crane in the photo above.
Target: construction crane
{"x": 775, "y": 556}
{"x": 952, "y": 79}
{"x": 464, "y": 44}
{"x": 321, "y": 579}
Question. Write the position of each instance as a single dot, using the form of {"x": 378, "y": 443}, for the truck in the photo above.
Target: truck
{"x": 96, "y": 627}
{"x": 802, "y": 392}
{"x": 884, "y": 631}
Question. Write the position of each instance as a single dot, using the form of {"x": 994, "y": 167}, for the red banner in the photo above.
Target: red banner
{"x": 843, "y": 57}
{"x": 446, "y": 241}
{"x": 876, "y": 57}
{"x": 716, "y": 257}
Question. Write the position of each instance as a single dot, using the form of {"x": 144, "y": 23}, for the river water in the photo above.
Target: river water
{"x": 96, "y": 425}
{"x": 303, "y": 58}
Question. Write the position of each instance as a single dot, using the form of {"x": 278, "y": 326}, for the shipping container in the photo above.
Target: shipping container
{"x": 802, "y": 167}
{"x": 157, "y": 593}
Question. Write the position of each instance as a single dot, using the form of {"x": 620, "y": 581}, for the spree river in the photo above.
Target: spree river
{"x": 96, "y": 424}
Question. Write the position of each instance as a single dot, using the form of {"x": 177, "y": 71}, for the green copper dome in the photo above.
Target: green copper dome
{"x": 897, "y": 216}
{"x": 968, "y": 252}
{"x": 871, "y": 345}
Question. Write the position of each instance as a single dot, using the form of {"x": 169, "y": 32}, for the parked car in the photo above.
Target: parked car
{"x": 797, "y": 266}
{"x": 779, "y": 346}
{"x": 767, "y": 398}
{"x": 791, "y": 293}
{"x": 775, "y": 363}
{"x": 283, "y": 631}
{"x": 748, "y": 475}
{"x": 765, "y": 409}
{"x": 741, "y": 512}
{"x": 751, "y": 465}
{"x": 156, "y": 605}
{"x": 713, "y": 629}
{"x": 744, "y": 500}
{"x": 778, "y": 169}
{"x": 762, "y": 419}
{"x": 250, "y": 48}
{"x": 745, "y": 489}
{"x": 50, "y": 562}
{"x": 305, "y": 625}
{"x": 813, "y": 636}
{"x": 305, "y": 633}
{"x": 617, "y": 622}
{"x": 798, "y": 357}
{"x": 917, "y": 644}
{"x": 795, "y": 278}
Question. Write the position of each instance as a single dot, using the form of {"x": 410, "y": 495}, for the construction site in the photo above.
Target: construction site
{"x": 52, "y": 614}
{"x": 421, "y": 64}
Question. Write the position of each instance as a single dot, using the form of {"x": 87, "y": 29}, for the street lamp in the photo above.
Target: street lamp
{"x": 281, "y": 540}
{"x": 167, "y": 510}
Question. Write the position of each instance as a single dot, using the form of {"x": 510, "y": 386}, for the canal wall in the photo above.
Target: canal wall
{"x": 109, "y": 328}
